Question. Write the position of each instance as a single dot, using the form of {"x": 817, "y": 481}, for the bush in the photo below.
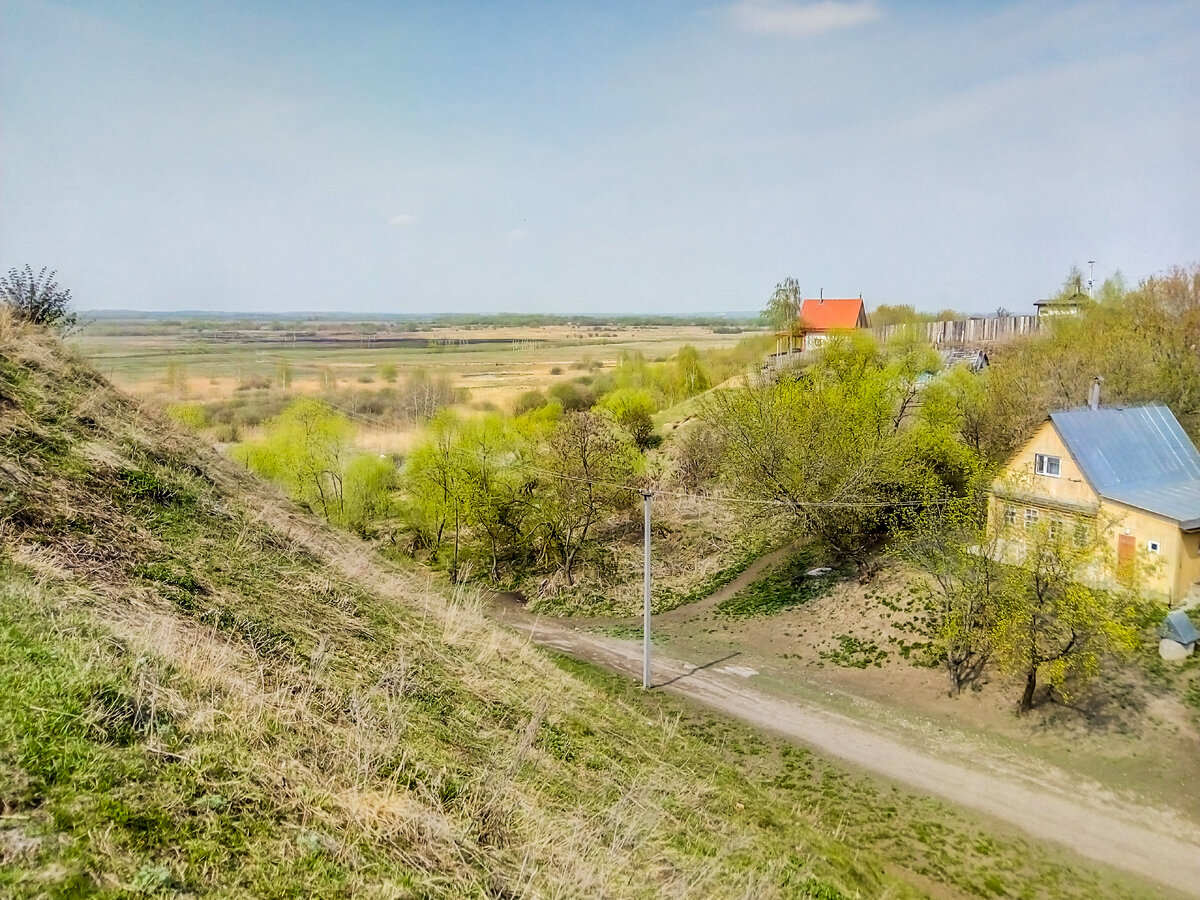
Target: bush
{"x": 573, "y": 397}
{"x": 633, "y": 410}
{"x": 556, "y": 370}
{"x": 529, "y": 401}
{"x": 37, "y": 298}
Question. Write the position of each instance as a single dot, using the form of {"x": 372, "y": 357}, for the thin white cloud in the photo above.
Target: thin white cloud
{"x": 402, "y": 219}
{"x": 516, "y": 236}
{"x": 802, "y": 19}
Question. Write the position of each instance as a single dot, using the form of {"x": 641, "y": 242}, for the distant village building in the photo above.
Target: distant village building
{"x": 819, "y": 317}
{"x": 1135, "y": 465}
{"x": 815, "y": 320}
{"x": 1068, "y": 307}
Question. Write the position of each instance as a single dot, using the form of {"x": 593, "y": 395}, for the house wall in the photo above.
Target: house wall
{"x": 1070, "y": 485}
{"x": 1176, "y": 566}
{"x": 1171, "y": 570}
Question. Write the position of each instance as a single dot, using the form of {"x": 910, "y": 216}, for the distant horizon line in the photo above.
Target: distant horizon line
{"x": 363, "y": 315}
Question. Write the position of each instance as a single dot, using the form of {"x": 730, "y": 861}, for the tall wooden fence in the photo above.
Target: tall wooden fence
{"x": 965, "y": 332}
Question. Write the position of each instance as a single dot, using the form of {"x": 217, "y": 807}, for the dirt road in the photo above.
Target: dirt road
{"x": 1089, "y": 820}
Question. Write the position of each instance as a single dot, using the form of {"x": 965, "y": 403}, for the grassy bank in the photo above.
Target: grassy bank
{"x": 208, "y": 693}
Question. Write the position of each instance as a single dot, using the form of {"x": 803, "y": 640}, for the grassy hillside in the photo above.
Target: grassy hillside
{"x": 204, "y": 692}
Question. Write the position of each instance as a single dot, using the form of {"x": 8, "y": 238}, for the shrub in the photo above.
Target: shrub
{"x": 528, "y": 401}
{"x": 37, "y": 298}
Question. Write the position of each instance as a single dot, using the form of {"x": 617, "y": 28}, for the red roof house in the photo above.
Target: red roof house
{"x": 819, "y": 316}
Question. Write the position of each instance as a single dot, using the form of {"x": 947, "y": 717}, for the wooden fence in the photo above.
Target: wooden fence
{"x": 966, "y": 332}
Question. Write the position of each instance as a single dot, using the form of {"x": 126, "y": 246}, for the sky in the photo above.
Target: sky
{"x": 628, "y": 156}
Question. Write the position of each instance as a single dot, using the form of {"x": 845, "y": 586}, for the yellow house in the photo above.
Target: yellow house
{"x": 1135, "y": 466}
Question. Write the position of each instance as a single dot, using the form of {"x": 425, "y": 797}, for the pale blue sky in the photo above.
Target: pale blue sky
{"x": 594, "y": 157}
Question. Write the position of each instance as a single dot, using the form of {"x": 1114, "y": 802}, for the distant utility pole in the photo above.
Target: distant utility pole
{"x": 646, "y": 495}
{"x": 1091, "y": 275}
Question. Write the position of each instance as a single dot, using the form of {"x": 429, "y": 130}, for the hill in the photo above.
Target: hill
{"x": 206, "y": 692}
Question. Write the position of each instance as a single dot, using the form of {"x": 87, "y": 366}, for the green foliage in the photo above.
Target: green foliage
{"x": 573, "y": 396}
{"x": 633, "y": 410}
{"x": 949, "y": 543}
{"x": 783, "y": 309}
{"x": 306, "y": 449}
{"x": 528, "y": 401}
{"x": 854, "y": 653}
{"x": 839, "y": 450}
{"x": 511, "y": 496}
{"x": 1044, "y": 602}
{"x": 1142, "y": 343}
{"x": 780, "y": 589}
{"x": 1065, "y": 607}
{"x": 190, "y": 415}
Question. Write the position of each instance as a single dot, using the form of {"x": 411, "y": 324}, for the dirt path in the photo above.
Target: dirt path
{"x": 1152, "y": 843}
{"x": 509, "y": 607}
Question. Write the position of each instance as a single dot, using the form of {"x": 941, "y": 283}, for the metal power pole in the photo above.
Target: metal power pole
{"x": 646, "y": 495}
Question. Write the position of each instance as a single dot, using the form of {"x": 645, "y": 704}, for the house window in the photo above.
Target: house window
{"x": 1031, "y": 518}
{"x": 1152, "y": 546}
{"x": 1010, "y": 515}
{"x": 1055, "y": 526}
{"x": 1047, "y": 465}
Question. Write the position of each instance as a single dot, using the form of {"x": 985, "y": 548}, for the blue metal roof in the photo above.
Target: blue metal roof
{"x": 1139, "y": 456}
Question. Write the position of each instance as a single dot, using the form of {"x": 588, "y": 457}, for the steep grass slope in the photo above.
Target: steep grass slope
{"x": 204, "y": 692}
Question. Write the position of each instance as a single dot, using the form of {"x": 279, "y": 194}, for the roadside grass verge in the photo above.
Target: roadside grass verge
{"x": 919, "y": 834}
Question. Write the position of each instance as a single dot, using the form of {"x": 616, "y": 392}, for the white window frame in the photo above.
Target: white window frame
{"x": 1031, "y": 518}
{"x": 1010, "y": 514}
{"x": 1041, "y": 465}
{"x": 1154, "y": 546}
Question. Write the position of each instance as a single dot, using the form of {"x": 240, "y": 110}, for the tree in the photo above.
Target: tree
{"x": 1065, "y": 606}
{"x": 305, "y": 447}
{"x": 691, "y": 372}
{"x": 833, "y": 449}
{"x": 950, "y": 544}
{"x": 37, "y": 298}
{"x": 633, "y": 410}
{"x": 588, "y": 469}
{"x": 783, "y": 309}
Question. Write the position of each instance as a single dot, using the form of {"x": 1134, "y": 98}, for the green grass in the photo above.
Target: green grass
{"x": 781, "y": 588}
{"x": 205, "y": 693}
{"x": 855, "y": 653}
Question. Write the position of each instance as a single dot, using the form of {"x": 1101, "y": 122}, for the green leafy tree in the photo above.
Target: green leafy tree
{"x": 783, "y": 309}
{"x": 833, "y": 449}
{"x": 1065, "y": 607}
{"x": 585, "y": 469}
{"x": 367, "y": 487}
{"x": 306, "y": 449}
{"x": 693, "y": 377}
{"x": 949, "y": 543}
{"x": 633, "y": 410}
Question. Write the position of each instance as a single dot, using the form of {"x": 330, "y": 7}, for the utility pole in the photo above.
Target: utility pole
{"x": 646, "y": 495}
{"x": 1091, "y": 276}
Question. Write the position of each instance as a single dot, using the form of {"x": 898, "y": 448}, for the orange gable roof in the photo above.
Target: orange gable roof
{"x": 823, "y": 315}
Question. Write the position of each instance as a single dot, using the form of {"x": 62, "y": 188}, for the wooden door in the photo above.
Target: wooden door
{"x": 1126, "y": 551}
